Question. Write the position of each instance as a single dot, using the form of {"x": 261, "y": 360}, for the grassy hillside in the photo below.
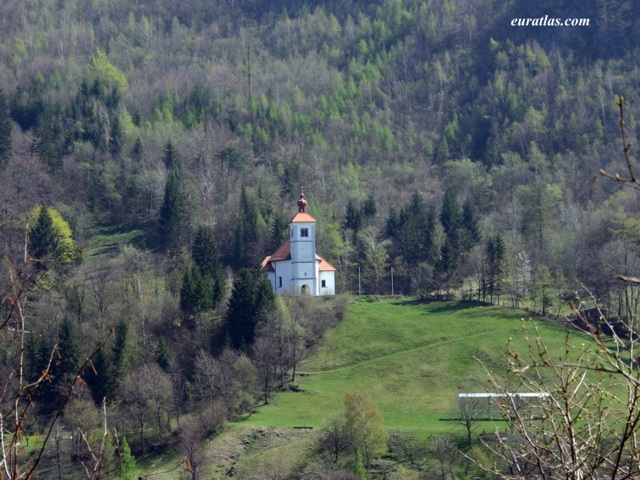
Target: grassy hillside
{"x": 412, "y": 358}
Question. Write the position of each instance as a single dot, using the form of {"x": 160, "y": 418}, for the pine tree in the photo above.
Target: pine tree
{"x": 353, "y": 216}
{"x": 196, "y": 294}
{"x": 469, "y": 230}
{"x": 5, "y": 131}
{"x": 369, "y": 208}
{"x": 127, "y": 460}
{"x": 450, "y": 218}
{"x": 205, "y": 253}
{"x": 69, "y": 350}
{"x": 120, "y": 355}
{"x": 416, "y": 225}
{"x": 446, "y": 267}
{"x": 205, "y": 257}
{"x": 495, "y": 255}
{"x": 44, "y": 242}
{"x": 64, "y": 366}
{"x": 98, "y": 378}
{"x": 251, "y": 299}
{"x": 173, "y": 212}
{"x": 163, "y": 357}
{"x": 279, "y": 230}
{"x": 248, "y": 230}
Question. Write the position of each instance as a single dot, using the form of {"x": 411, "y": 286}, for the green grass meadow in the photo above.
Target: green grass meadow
{"x": 412, "y": 358}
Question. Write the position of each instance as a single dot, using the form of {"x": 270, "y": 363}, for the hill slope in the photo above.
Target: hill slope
{"x": 412, "y": 358}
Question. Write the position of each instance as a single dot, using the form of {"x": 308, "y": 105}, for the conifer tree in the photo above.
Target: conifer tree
{"x": 446, "y": 267}
{"x": 205, "y": 257}
{"x": 44, "y": 242}
{"x": 163, "y": 357}
{"x": 248, "y": 230}
{"x": 5, "y": 131}
{"x": 469, "y": 229}
{"x": 64, "y": 366}
{"x": 99, "y": 378}
{"x": 450, "y": 217}
{"x": 127, "y": 460}
{"x": 353, "y": 216}
{"x": 416, "y": 225}
{"x": 120, "y": 356}
{"x": 173, "y": 212}
{"x": 279, "y": 230}
{"x": 196, "y": 294}
{"x": 495, "y": 254}
{"x": 251, "y": 299}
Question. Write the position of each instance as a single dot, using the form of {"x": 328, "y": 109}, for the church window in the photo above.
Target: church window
{"x": 304, "y": 232}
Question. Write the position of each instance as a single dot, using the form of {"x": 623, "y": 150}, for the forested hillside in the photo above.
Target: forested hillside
{"x": 151, "y": 153}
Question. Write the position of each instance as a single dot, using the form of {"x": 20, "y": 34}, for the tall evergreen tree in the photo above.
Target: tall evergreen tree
{"x": 450, "y": 218}
{"x": 163, "y": 356}
{"x": 5, "y": 131}
{"x": 249, "y": 230}
{"x": 251, "y": 299}
{"x": 279, "y": 230}
{"x": 353, "y": 216}
{"x": 205, "y": 256}
{"x": 196, "y": 294}
{"x": 416, "y": 226}
{"x": 44, "y": 241}
{"x": 495, "y": 254}
{"x": 469, "y": 229}
{"x": 446, "y": 267}
{"x": 64, "y": 366}
{"x": 204, "y": 252}
{"x": 120, "y": 355}
{"x": 173, "y": 212}
{"x": 99, "y": 378}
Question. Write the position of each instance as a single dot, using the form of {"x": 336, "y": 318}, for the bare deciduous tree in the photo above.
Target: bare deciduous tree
{"x": 586, "y": 420}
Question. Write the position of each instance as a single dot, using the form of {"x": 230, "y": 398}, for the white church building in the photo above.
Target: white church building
{"x": 295, "y": 268}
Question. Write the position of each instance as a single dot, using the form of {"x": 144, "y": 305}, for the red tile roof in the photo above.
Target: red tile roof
{"x": 303, "y": 217}
{"x": 284, "y": 253}
{"x": 325, "y": 266}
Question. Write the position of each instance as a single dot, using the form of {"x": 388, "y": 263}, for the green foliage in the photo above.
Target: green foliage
{"x": 103, "y": 71}
{"x": 252, "y": 298}
{"x": 196, "y": 294}
{"x": 445, "y": 269}
{"x": 43, "y": 240}
{"x": 358, "y": 467}
{"x": 495, "y": 255}
{"x": 205, "y": 256}
{"x": 50, "y": 236}
{"x": 363, "y": 422}
{"x": 450, "y": 217}
{"x": 99, "y": 377}
{"x": 250, "y": 231}
{"x": 362, "y": 104}
{"x": 469, "y": 234}
{"x": 120, "y": 356}
{"x": 127, "y": 460}
{"x": 173, "y": 219}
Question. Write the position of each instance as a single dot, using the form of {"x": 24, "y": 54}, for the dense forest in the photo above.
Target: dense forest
{"x": 443, "y": 151}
